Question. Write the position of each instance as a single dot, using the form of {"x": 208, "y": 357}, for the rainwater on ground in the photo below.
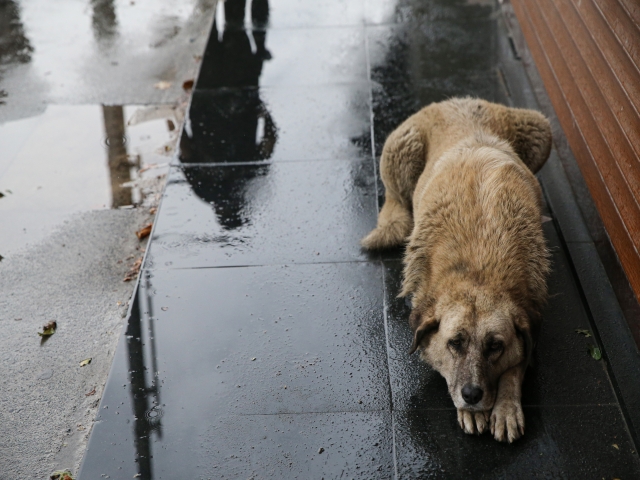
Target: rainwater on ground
{"x": 92, "y": 103}
{"x": 91, "y": 106}
{"x": 263, "y": 342}
{"x": 76, "y": 158}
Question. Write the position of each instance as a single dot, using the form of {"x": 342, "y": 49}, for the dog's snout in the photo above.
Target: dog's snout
{"x": 472, "y": 394}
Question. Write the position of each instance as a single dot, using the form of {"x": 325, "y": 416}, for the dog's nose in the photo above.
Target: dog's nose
{"x": 472, "y": 394}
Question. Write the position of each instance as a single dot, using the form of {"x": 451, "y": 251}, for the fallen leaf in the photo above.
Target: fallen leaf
{"x": 584, "y": 332}
{"x": 320, "y": 450}
{"x": 170, "y": 125}
{"x": 84, "y": 362}
{"x": 615, "y": 445}
{"x": 162, "y": 85}
{"x": 61, "y": 475}
{"x": 594, "y": 352}
{"x": 133, "y": 272}
{"x": 187, "y": 85}
{"x": 48, "y": 329}
{"x": 164, "y": 309}
{"x": 92, "y": 392}
{"x": 153, "y": 210}
{"x": 144, "y": 231}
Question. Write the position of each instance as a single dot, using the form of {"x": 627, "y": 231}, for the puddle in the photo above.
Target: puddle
{"x": 75, "y": 158}
{"x": 98, "y": 51}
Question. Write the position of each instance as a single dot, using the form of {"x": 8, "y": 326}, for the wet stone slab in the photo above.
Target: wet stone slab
{"x": 244, "y": 125}
{"x": 236, "y": 57}
{"x": 302, "y": 371}
{"x": 265, "y": 214}
{"x": 414, "y": 64}
{"x": 239, "y": 347}
{"x": 560, "y": 442}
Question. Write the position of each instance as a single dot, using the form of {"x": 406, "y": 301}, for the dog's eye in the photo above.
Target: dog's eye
{"x": 455, "y": 343}
{"x": 495, "y": 346}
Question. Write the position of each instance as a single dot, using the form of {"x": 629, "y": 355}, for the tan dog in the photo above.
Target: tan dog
{"x": 460, "y": 189}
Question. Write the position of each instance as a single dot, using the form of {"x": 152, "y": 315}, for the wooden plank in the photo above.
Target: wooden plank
{"x": 620, "y": 66}
{"x": 590, "y": 110}
{"x": 611, "y": 195}
{"x": 603, "y": 95}
{"x": 633, "y": 9}
{"x": 625, "y": 28}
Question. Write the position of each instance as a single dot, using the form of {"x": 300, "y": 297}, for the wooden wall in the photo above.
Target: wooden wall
{"x": 588, "y": 55}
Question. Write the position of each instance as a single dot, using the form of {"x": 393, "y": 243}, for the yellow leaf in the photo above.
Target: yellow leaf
{"x": 46, "y": 333}
{"x": 84, "y": 362}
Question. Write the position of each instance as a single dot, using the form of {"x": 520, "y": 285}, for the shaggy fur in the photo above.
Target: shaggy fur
{"x": 460, "y": 190}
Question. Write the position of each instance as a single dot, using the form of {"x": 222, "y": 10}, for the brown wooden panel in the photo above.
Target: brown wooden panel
{"x": 602, "y": 94}
{"x": 625, "y": 27}
{"x": 613, "y": 65}
{"x": 633, "y": 7}
{"x": 586, "y": 69}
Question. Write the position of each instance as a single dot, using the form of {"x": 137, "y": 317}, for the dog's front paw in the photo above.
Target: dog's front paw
{"x": 507, "y": 421}
{"x": 473, "y": 422}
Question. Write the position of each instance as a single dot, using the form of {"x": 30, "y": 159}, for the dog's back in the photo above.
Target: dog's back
{"x": 477, "y": 211}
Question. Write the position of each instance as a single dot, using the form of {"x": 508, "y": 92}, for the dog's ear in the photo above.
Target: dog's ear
{"x": 527, "y": 327}
{"x": 421, "y": 326}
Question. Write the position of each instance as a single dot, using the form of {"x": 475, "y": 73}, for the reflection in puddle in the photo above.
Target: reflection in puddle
{"x": 74, "y": 158}
{"x": 144, "y": 380}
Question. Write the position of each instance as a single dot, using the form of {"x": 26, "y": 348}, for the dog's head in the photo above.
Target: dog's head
{"x": 472, "y": 339}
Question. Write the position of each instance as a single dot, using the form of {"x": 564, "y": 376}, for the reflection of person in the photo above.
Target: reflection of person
{"x": 229, "y": 121}
{"x": 228, "y": 190}
{"x": 232, "y": 124}
{"x": 14, "y": 45}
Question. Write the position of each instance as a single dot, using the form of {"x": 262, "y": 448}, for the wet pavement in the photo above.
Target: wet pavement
{"x": 78, "y": 158}
{"x": 91, "y": 103}
{"x": 263, "y": 342}
{"x": 91, "y": 108}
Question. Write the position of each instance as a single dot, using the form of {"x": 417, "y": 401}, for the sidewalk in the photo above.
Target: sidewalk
{"x": 263, "y": 342}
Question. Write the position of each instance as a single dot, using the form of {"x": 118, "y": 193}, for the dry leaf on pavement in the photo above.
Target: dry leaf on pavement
{"x": 133, "y": 272}
{"x": 48, "y": 329}
{"x": 61, "y": 475}
{"x": 594, "y": 352}
{"x": 144, "y": 231}
{"x": 84, "y": 362}
{"x": 187, "y": 85}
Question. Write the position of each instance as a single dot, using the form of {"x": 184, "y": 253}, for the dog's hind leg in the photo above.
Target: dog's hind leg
{"x": 402, "y": 161}
{"x": 528, "y": 132}
{"x": 394, "y": 226}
